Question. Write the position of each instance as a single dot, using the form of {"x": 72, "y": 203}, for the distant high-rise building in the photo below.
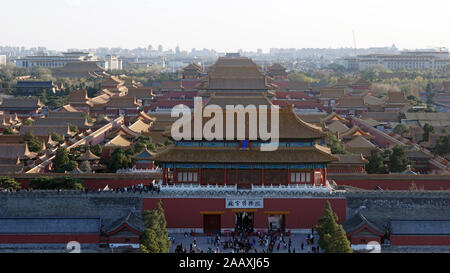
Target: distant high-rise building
{"x": 409, "y": 60}
{"x": 2, "y": 59}
{"x": 150, "y": 48}
{"x": 160, "y": 48}
{"x": 177, "y": 50}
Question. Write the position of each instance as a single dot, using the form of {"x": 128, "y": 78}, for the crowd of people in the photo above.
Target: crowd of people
{"x": 134, "y": 188}
{"x": 270, "y": 242}
{"x": 141, "y": 188}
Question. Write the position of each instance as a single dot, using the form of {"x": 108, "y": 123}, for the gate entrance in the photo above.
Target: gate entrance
{"x": 211, "y": 223}
{"x": 244, "y": 222}
{"x": 277, "y": 222}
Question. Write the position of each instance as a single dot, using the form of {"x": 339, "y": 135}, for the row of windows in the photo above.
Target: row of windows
{"x": 187, "y": 177}
{"x": 300, "y": 177}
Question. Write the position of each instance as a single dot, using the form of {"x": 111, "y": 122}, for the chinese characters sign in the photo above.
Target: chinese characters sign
{"x": 244, "y": 203}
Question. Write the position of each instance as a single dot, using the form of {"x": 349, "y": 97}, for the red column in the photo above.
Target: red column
{"x": 175, "y": 176}
{"x": 325, "y": 173}
{"x": 199, "y": 176}
{"x": 288, "y": 176}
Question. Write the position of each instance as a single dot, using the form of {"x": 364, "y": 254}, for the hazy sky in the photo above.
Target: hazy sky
{"x": 224, "y": 25}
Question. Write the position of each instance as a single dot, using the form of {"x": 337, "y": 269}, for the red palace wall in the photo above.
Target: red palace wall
{"x": 393, "y": 183}
{"x": 95, "y": 184}
{"x": 399, "y": 240}
{"x": 302, "y": 212}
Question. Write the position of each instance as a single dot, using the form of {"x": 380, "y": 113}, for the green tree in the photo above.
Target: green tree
{"x": 156, "y": 237}
{"x": 149, "y": 241}
{"x": 376, "y": 164}
{"x": 64, "y": 183}
{"x": 8, "y": 131}
{"x": 27, "y": 122}
{"x": 34, "y": 145}
{"x": 121, "y": 159}
{"x": 442, "y": 145}
{"x": 398, "y": 160}
{"x": 61, "y": 162}
{"x": 332, "y": 237}
{"x": 73, "y": 128}
{"x": 427, "y": 129}
{"x": 57, "y": 137}
{"x": 9, "y": 183}
{"x": 335, "y": 145}
{"x": 96, "y": 149}
{"x": 400, "y": 129}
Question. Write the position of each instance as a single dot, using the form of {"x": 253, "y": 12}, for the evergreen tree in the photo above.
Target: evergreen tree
{"x": 400, "y": 129}
{"x": 121, "y": 159}
{"x": 427, "y": 129}
{"x": 163, "y": 234}
{"x": 96, "y": 149}
{"x": 8, "y": 183}
{"x": 332, "y": 237}
{"x": 8, "y": 131}
{"x": 61, "y": 161}
{"x": 64, "y": 183}
{"x": 34, "y": 145}
{"x": 326, "y": 225}
{"x": 398, "y": 160}
{"x": 376, "y": 164}
{"x": 335, "y": 145}
{"x": 442, "y": 145}
{"x": 27, "y": 122}
{"x": 340, "y": 242}
{"x": 150, "y": 241}
{"x": 156, "y": 236}
{"x": 57, "y": 137}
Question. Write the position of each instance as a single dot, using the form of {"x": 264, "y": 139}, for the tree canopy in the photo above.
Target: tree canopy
{"x": 121, "y": 159}
{"x": 156, "y": 237}
{"x": 64, "y": 183}
{"x": 335, "y": 145}
{"x": 442, "y": 145}
{"x": 332, "y": 237}
{"x": 9, "y": 183}
{"x": 61, "y": 162}
{"x": 34, "y": 145}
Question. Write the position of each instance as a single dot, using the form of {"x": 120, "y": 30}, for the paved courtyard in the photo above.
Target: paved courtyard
{"x": 205, "y": 242}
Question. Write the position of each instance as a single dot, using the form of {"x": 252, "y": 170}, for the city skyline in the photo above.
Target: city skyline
{"x": 226, "y": 28}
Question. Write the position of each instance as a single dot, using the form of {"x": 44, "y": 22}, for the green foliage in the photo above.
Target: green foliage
{"x": 427, "y": 129}
{"x": 332, "y": 237}
{"x": 156, "y": 237}
{"x": 376, "y": 164}
{"x": 336, "y": 146}
{"x": 64, "y": 183}
{"x": 302, "y": 77}
{"x": 96, "y": 149}
{"x": 27, "y": 122}
{"x": 61, "y": 162}
{"x": 400, "y": 129}
{"x": 9, "y": 183}
{"x": 398, "y": 161}
{"x": 57, "y": 137}
{"x": 144, "y": 142}
{"x": 121, "y": 159}
{"x": 143, "y": 248}
{"x": 73, "y": 128}
{"x": 8, "y": 131}
{"x": 442, "y": 145}
{"x": 34, "y": 145}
